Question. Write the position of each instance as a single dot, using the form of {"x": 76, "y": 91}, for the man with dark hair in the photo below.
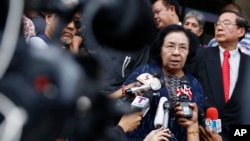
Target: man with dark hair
{"x": 166, "y": 12}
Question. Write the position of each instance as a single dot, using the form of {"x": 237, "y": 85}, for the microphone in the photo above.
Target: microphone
{"x": 201, "y": 117}
{"x": 212, "y": 121}
{"x": 184, "y": 96}
{"x": 166, "y": 108}
{"x": 154, "y": 84}
{"x": 145, "y": 78}
{"x": 162, "y": 113}
{"x": 142, "y": 103}
{"x": 159, "y": 116}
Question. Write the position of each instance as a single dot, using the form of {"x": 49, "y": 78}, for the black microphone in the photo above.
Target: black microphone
{"x": 201, "y": 117}
{"x": 184, "y": 96}
{"x": 166, "y": 108}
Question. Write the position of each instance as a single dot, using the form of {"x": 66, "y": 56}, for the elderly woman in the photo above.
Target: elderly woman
{"x": 171, "y": 50}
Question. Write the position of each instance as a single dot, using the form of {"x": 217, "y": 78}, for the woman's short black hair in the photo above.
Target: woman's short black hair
{"x": 158, "y": 42}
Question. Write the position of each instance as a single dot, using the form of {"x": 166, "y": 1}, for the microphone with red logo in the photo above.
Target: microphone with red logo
{"x": 212, "y": 121}
{"x": 151, "y": 83}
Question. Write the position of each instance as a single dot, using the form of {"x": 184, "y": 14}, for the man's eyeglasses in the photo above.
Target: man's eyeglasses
{"x": 223, "y": 24}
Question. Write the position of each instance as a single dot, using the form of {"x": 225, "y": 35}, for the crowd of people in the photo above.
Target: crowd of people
{"x": 175, "y": 54}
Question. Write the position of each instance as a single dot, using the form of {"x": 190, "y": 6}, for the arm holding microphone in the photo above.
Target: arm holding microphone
{"x": 121, "y": 92}
{"x": 127, "y": 122}
{"x": 209, "y": 131}
{"x": 194, "y": 131}
{"x": 208, "y": 135}
{"x": 191, "y": 124}
{"x": 140, "y": 105}
{"x": 143, "y": 82}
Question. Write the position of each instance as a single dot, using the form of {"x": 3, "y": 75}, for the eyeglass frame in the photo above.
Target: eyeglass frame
{"x": 224, "y": 23}
{"x": 170, "y": 49}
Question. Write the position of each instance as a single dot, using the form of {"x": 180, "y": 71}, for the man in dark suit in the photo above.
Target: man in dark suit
{"x": 229, "y": 30}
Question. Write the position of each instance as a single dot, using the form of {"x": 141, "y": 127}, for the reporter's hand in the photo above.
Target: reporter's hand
{"x": 132, "y": 85}
{"x": 119, "y": 93}
{"x": 129, "y": 122}
{"x": 158, "y": 135}
{"x": 187, "y": 122}
{"x": 207, "y": 135}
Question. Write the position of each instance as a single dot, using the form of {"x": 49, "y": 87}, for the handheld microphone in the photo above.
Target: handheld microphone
{"x": 142, "y": 103}
{"x": 159, "y": 116}
{"x": 212, "y": 121}
{"x": 166, "y": 108}
{"x": 152, "y": 84}
{"x": 184, "y": 96}
{"x": 145, "y": 78}
{"x": 201, "y": 117}
{"x": 155, "y": 84}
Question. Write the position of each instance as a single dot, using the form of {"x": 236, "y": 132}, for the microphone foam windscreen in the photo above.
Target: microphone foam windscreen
{"x": 212, "y": 113}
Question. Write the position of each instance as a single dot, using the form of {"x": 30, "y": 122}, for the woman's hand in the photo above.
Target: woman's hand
{"x": 160, "y": 134}
{"x": 207, "y": 135}
{"x": 187, "y": 122}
